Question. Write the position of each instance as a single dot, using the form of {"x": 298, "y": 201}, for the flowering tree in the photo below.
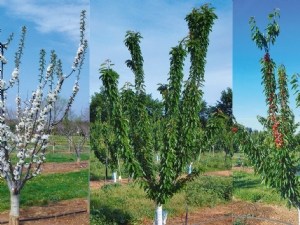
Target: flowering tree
{"x": 181, "y": 119}
{"x": 28, "y": 141}
{"x": 274, "y": 154}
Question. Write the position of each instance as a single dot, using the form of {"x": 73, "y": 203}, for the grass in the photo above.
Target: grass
{"x": 128, "y": 204}
{"x": 214, "y": 162}
{"x": 59, "y": 157}
{"x": 45, "y": 189}
{"x": 240, "y": 159}
{"x": 62, "y": 157}
{"x": 248, "y": 187}
{"x": 208, "y": 162}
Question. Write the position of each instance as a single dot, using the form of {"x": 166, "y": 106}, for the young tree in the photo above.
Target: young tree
{"x": 181, "y": 112}
{"x": 77, "y": 133}
{"x": 274, "y": 158}
{"x": 28, "y": 142}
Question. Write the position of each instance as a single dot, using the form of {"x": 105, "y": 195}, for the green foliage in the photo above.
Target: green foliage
{"x": 263, "y": 41}
{"x": 218, "y": 132}
{"x": 119, "y": 143}
{"x": 239, "y": 222}
{"x": 295, "y": 87}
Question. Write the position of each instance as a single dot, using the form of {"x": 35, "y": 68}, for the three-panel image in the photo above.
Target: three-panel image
{"x": 149, "y": 112}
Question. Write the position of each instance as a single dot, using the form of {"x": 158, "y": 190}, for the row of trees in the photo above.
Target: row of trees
{"x": 215, "y": 124}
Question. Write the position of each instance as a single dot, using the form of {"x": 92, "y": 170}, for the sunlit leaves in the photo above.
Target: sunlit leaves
{"x": 272, "y": 152}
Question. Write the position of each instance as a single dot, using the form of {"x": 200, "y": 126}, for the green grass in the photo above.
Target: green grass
{"x": 248, "y": 187}
{"x": 240, "y": 159}
{"x": 214, "y": 162}
{"x": 62, "y": 157}
{"x": 128, "y": 204}
{"x": 45, "y": 189}
{"x": 58, "y": 157}
{"x": 60, "y": 139}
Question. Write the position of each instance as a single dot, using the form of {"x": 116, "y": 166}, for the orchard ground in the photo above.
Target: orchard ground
{"x": 59, "y": 195}
{"x": 205, "y": 199}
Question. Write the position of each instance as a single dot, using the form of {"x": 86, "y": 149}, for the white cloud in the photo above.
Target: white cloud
{"x": 49, "y": 16}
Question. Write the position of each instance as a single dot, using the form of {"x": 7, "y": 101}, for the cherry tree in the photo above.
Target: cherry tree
{"x": 181, "y": 113}
{"x": 28, "y": 140}
{"x": 274, "y": 156}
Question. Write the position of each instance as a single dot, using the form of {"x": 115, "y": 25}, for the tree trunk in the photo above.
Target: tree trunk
{"x": 158, "y": 215}
{"x": 78, "y": 161}
{"x": 114, "y": 176}
{"x": 14, "y": 214}
{"x": 190, "y": 168}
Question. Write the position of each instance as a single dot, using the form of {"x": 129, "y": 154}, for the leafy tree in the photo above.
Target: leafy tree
{"x": 34, "y": 120}
{"x": 274, "y": 154}
{"x": 181, "y": 112}
{"x": 219, "y": 133}
{"x": 224, "y": 104}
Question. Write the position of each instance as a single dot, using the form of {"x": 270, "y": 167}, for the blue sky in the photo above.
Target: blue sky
{"x": 50, "y": 25}
{"x": 162, "y": 25}
{"x": 248, "y": 97}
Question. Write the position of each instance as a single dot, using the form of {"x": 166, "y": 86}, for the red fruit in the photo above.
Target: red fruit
{"x": 267, "y": 57}
{"x": 234, "y": 129}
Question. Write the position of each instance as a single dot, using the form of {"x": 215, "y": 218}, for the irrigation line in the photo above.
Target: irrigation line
{"x": 48, "y": 217}
{"x": 215, "y": 219}
{"x": 244, "y": 217}
{"x": 260, "y": 218}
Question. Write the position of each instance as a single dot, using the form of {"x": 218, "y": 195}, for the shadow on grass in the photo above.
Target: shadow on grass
{"x": 108, "y": 215}
{"x": 243, "y": 180}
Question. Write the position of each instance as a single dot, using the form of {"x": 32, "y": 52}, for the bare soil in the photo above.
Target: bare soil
{"x": 48, "y": 168}
{"x": 249, "y": 213}
{"x": 71, "y": 212}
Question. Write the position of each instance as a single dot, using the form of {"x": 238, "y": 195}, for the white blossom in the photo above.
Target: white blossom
{"x": 44, "y": 137}
{"x": 2, "y": 84}
{"x": 15, "y": 73}
{"x": 49, "y": 70}
{"x": 3, "y": 59}
{"x": 76, "y": 87}
{"x": 78, "y": 56}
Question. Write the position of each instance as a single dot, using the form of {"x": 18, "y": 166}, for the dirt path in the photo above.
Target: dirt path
{"x": 48, "y": 168}
{"x": 71, "y": 212}
{"x": 249, "y": 213}
{"x": 257, "y": 210}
